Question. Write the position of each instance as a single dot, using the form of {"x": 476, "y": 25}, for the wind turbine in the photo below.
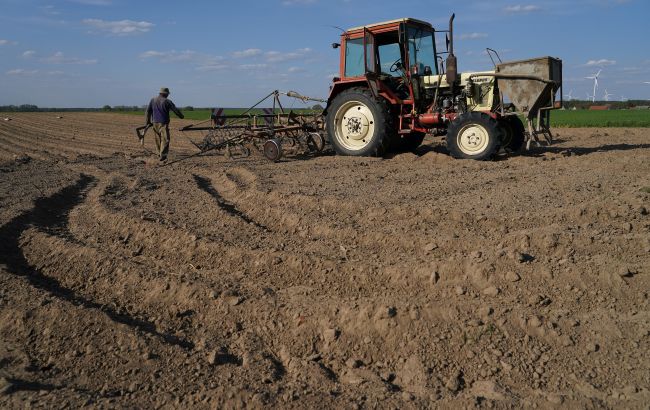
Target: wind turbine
{"x": 623, "y": 98}
{"x": 607, "y": 95}
{"x": 569, "y": 95}
{"x": 595, "y": 78}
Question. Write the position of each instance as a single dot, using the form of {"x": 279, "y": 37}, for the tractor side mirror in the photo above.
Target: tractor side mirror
{"x": 427, "y": 70}
{"x": 336, "y": 45}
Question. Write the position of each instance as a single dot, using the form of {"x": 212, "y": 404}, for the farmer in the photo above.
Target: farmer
{"x": 158, "y": 115}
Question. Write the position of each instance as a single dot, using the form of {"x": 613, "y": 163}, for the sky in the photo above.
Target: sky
{"x": 91, "y": 53}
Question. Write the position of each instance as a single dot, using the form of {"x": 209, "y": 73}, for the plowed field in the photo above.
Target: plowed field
{"x": 326, "y": 282}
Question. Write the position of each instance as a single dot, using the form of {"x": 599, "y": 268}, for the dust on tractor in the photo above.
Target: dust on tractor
{"x": 395, "y": 87}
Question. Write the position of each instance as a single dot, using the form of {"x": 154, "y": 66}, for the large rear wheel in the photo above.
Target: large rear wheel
{"x": 473, "y": 135}
{"x": 359, "y": 124}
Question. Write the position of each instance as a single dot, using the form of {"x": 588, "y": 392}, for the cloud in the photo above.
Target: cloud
{"x": 22, "y": 71}
{"x": 29, "y": 54}
{"x": 51, "y": 10}
{"x": 6, "y": 42}
{"x": 253, "y": 66}
{"x": 119, "y": 27}
{"x": 204, "y": 62}
{"x": 212, "y": 67}
{"x": 259, "y": 59}
{"x": 297, "y": 2}
{"x": 170, "y": 56}
{"x": 521, "y": 8}
{"x": 251, "y": 52}
{"x": 600, "y": 63}
{"x": 278, "y": 57}
{"x": 60, "y": 58}
{"x": 472, "y": 36}
{"x": 93, "y": 2}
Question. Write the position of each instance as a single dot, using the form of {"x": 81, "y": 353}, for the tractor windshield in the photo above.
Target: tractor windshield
{"x": 421, "y": 49}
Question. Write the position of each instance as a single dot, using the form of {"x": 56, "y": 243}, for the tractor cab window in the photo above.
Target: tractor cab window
{"x": 388, "y": 54}
{"x": 421, "y": 49}
{"x": 354, "y": 58}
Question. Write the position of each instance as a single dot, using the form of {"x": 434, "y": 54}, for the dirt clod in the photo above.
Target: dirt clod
{"x": 491, "y": 291}
{"x": 512, "y": 276}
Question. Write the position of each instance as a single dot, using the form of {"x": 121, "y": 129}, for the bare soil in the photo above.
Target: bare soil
{"x": 326, "y": 282}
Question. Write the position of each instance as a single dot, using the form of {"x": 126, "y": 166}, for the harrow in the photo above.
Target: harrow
{"x": 271, "y": 131}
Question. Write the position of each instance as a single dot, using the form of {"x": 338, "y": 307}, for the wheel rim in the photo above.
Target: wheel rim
{"x": 354, "y": 125}
{"x": 273, "y": 150}
{"x": 473, "y": 139}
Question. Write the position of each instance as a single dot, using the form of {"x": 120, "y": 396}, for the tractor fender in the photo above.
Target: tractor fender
{"x": 376, "y": 88}
{"x": 341, "y": 86}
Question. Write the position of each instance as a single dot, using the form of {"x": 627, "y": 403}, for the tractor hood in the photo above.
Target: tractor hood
{"x": 432, "y": 81}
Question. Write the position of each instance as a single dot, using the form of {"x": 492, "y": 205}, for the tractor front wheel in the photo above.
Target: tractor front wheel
{"x": 473, "y": 135}
{"x": 359, "y": 124}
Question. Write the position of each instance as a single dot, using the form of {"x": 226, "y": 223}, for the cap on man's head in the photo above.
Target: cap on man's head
{"x": 164, "y": 90}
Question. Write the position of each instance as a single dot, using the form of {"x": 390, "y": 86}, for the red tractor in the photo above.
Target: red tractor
{"x": 395, "y": 87}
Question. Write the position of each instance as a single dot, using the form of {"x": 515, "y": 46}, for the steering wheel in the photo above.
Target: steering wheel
{"x": 397, "y": 65}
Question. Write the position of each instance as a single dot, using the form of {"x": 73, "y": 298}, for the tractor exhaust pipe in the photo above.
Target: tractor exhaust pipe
{"x": 452, "y": 63}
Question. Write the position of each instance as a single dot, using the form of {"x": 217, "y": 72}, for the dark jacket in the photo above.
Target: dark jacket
{"x": 158, "y": 110}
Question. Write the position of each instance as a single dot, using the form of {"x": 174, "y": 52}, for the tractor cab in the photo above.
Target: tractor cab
{"x": 394, "y": 87}
{"x": 390, "y": 56}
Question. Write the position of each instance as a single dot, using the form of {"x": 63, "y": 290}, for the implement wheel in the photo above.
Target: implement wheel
{"x": 359, "y": 124}
{"x": 473, "y": 135}
{"x": 273, "y": 149}
{"x": 315, "y": 142}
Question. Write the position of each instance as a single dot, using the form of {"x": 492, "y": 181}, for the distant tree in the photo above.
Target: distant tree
{"x": 188, "y": 108}
{"x": 107, "y": 108}
{"x": 28, "y": 108}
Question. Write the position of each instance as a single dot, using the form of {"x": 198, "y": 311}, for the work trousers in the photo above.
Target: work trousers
{"x": 161, "y": 131}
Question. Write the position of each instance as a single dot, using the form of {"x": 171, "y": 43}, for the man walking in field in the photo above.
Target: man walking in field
{"x": 158, "y": 115}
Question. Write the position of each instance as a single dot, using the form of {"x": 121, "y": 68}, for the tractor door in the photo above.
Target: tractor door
{"x": 369, "y": 51}
{"x": 370, "y": 58}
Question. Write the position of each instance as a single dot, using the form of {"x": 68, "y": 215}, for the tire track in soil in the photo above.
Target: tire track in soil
{"x": 102, "y": 231}
{"x": 296, "y": 214}
{"x": 206, "y": 185}
{"x": 49, "y": 215}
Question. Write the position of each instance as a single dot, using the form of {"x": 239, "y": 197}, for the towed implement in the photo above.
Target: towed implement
{"x": 272, "y": 131}
{"x": 395, "y": 87}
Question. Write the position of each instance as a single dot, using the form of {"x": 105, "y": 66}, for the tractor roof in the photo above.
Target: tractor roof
{"x": 385, "y": 23}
